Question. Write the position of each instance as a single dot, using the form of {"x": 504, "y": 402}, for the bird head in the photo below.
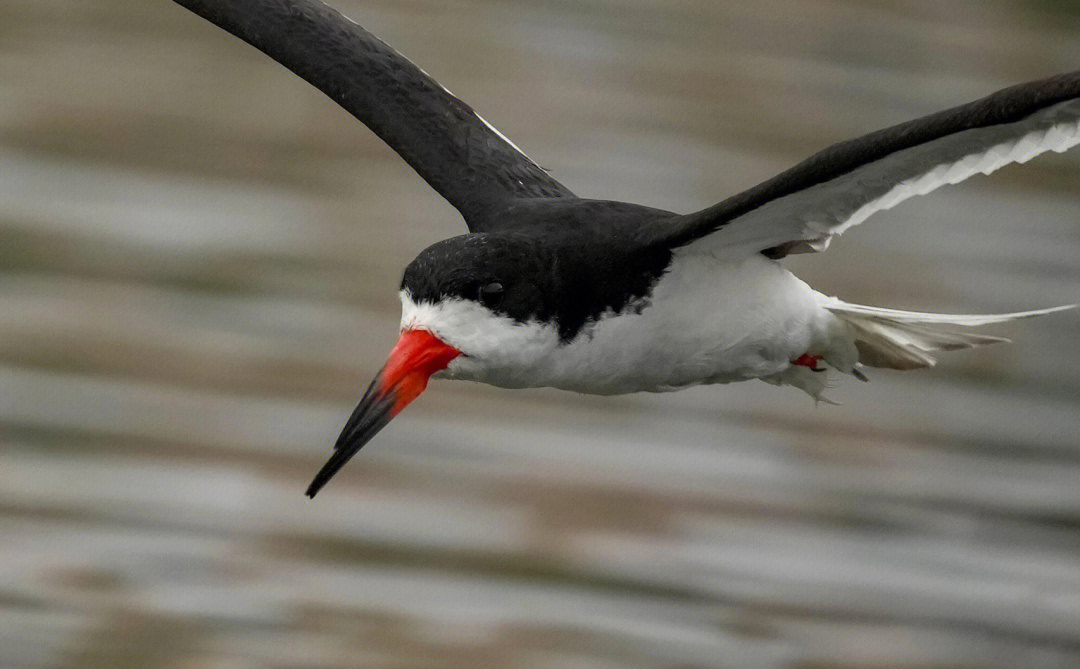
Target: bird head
{"x": 469, "y": 304}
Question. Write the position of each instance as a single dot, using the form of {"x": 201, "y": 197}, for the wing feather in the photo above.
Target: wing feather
{"x": 801, "y": 209}
{"x": 462, "y": 156}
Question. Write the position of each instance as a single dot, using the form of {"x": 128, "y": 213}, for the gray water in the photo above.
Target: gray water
{"x": 199, "y": 259}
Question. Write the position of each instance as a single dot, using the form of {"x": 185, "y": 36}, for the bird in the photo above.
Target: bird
{"x": 549, "y": 289}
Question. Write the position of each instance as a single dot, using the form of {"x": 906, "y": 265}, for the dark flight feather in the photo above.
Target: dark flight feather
{"x": 1008, "y": 106}
{"x": 463, "y": 158}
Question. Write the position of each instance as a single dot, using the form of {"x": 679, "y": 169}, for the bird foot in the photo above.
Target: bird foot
{"x": 809, "y": 361}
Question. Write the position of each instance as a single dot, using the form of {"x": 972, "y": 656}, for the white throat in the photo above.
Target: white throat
{"x": 496, "y": 349}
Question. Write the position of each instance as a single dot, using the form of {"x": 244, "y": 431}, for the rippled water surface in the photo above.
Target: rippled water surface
{"x": 199, "y": 258}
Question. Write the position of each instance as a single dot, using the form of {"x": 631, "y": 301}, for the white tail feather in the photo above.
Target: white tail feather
{"x": 904, "y": 339}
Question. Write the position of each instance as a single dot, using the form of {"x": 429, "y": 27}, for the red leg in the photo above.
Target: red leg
{"x": 807, "y": 360}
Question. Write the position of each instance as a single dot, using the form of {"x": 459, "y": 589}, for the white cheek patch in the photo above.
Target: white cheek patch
{"x": 490, "y": 342}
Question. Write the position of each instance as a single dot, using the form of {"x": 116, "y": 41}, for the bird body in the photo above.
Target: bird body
{"x": 552, "y": 290}
{"x": 703, "y": 321}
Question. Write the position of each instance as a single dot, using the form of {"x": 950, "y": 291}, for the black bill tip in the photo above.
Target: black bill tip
{"x": 371, "y": 415}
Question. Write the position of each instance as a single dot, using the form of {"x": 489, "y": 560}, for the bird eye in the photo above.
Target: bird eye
{"x": 491, "y": 294}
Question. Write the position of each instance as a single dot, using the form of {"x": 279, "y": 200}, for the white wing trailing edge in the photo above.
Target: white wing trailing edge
{"x": 801, "y": 209}
{"x": 1061, "y": 132}
{"x": 806, "y": 220}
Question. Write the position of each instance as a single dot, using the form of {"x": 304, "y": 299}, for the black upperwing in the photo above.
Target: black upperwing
{"x": 449, "y": 145}
{"x": 801, "y": 209}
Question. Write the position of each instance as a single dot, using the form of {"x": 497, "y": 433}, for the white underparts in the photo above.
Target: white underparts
{"x": 704, "y": 322}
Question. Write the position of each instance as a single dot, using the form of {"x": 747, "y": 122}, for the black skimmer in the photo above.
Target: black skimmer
{"x": 549, "y": 289}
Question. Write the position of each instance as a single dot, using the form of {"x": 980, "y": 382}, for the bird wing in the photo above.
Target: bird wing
{"x": 462, "y": 156}
{"x": 800, "y": 210}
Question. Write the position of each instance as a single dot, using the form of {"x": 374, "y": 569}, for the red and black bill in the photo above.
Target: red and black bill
{"x": 415, "y": 358}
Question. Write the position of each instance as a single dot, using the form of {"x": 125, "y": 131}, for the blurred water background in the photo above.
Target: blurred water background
{"x": 199, "y": 258}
